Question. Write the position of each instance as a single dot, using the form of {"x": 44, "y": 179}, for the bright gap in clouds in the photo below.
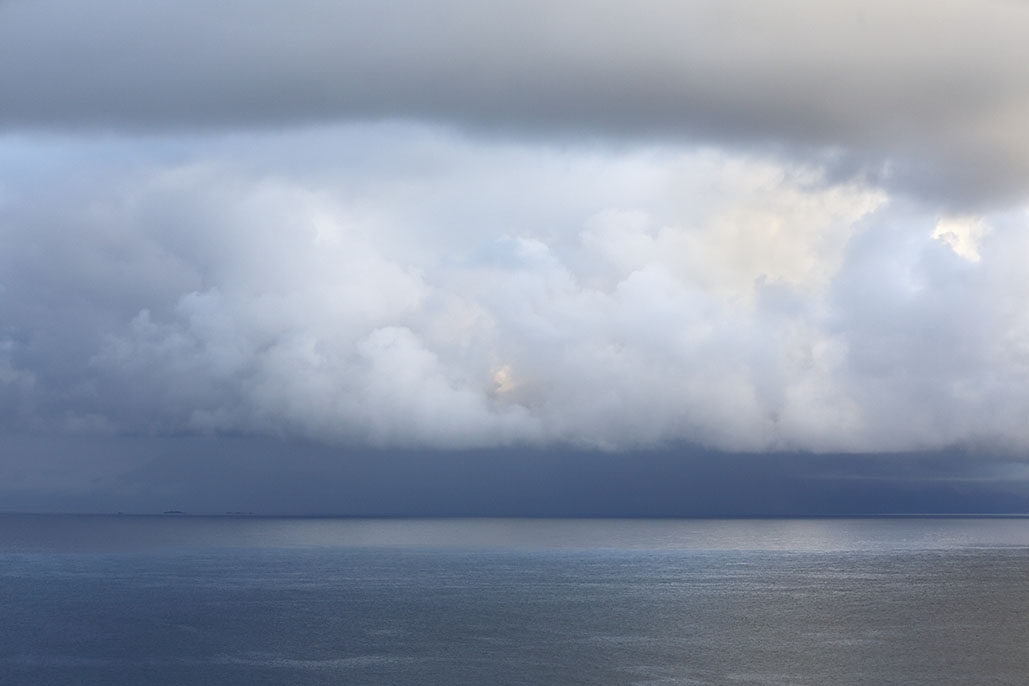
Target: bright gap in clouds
{"x": 397, "y": 285}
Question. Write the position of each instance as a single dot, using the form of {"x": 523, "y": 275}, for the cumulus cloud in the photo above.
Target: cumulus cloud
{"x": 929, "y": 97}
{"x": 399, "y": 286}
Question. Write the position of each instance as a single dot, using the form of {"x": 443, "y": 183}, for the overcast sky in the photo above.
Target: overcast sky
{"x": 730, "y": 243}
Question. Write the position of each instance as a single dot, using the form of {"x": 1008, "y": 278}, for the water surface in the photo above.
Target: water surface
{"x": 193, "y": 600}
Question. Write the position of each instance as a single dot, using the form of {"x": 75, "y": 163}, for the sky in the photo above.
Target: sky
{"x": 540, "y": 258}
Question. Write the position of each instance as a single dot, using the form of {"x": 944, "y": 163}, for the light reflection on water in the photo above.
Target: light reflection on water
{"x": 57, "y": 533}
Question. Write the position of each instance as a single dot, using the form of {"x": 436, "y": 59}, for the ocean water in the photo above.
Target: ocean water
{"x": 250, "y": 601}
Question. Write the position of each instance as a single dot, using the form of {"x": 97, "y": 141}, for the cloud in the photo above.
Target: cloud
{"x": 927, "y": 97}
{"x": 399, "y": 286}
{"x": 962, "y": 234}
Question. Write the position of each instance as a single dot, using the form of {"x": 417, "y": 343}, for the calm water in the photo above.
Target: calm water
{"x": 166, "y": 600}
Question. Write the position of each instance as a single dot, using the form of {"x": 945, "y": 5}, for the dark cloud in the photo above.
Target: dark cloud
{"x": 930, "y": 96}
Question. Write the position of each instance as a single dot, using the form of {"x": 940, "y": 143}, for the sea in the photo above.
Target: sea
{"x": 152, "y": 600}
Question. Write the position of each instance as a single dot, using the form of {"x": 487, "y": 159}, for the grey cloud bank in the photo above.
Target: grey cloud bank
{"x": 927, "y": 96}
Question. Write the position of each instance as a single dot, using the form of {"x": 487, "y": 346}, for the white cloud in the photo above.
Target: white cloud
{"x": 448, "y": 293}
{"x": 962, "y": 235}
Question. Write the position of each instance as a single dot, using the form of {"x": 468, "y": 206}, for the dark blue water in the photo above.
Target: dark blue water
{"x": 164, "y": 600}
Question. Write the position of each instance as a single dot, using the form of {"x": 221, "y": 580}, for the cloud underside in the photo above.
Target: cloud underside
{"x": 926, "y": 97}
{"x": 402, "y": 286}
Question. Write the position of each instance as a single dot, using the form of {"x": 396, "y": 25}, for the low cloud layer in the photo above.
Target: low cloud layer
{"x": 400, "y": 286}
{"x": 927, "y": 98}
